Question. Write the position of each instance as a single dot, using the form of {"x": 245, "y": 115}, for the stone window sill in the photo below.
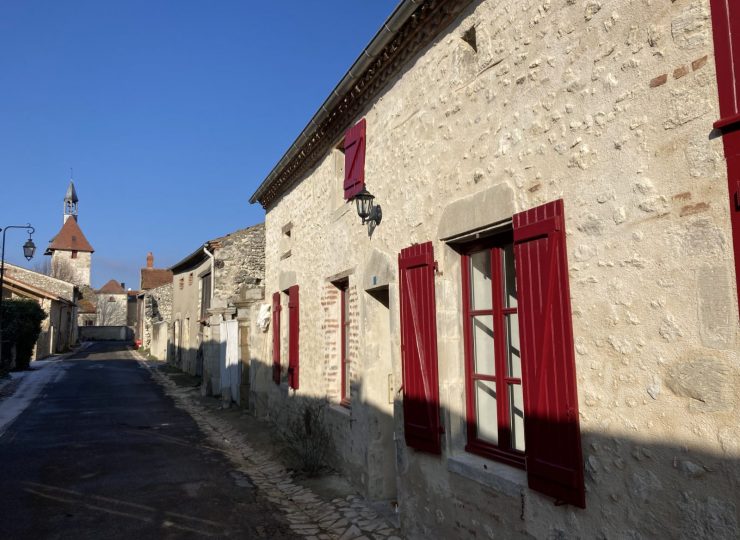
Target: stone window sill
{"x": 339, "y": 409}
{"x": 503, "y": 478}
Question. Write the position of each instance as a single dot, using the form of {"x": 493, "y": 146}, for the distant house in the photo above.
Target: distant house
{"x": 213, "y": 291}
{"x": 58, "y": 300}
{"x": 154, "y": 303}
{"x": 112, "y": 304}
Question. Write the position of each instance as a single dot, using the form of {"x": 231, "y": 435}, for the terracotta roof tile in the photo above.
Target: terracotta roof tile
{"x": 112, "y": 287}
{"x": 154, "y": 277}
{"x": 85, "y": 306}
{"x": 70, "y": 238}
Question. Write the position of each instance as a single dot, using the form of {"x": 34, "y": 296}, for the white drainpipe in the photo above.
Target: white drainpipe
{"x": 213, "y": 271}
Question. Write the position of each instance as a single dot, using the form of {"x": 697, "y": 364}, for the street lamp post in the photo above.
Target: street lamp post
{"x": 29, "y": 248}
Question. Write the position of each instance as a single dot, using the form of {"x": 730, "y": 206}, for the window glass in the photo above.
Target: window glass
{"x": 509, "y": 276}
{"x": 513, "y": 355}
{"x": 483, "y": 345}
{"x": 486, "y": 415}
{"x": 517, "y": 416}
{"x": 480, "y": 280}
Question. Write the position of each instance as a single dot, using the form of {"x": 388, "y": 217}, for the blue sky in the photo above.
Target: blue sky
{"x": 170, "y": 112}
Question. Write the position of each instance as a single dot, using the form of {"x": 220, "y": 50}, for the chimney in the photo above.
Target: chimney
{"x": 123, "y": 285}
{"x": 150, "y": 260}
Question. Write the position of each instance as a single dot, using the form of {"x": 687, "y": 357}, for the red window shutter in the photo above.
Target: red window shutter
{"x": 293, "y": 332}
{"x": 354, "y": 160}
{"x": 726, "y": 31}
{"x": 276, "y": 338}
{"x": 554, "y": 459}
{"x": 419, "y": 348}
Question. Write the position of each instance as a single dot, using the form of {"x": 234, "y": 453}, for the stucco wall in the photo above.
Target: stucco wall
{"x": 608, "y": 105}
{"x": 186, "y": 317}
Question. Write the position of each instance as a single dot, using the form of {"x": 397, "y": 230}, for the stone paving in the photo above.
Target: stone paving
{"x": 349, "y": 518}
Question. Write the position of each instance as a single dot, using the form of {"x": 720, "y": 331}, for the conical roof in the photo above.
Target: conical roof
{"x": 69, "y": 238}
{"x": 71, "y": 194}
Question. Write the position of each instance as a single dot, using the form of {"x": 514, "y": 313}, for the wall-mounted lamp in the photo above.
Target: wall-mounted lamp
{"x": 369, "y": 212}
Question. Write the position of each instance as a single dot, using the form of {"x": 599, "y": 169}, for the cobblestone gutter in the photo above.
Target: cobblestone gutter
{"x": 310, "y": 516}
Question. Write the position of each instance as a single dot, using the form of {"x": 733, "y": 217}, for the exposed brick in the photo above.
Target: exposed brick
{"x": 699, "y": 62}
{"x": 680, "y": 72}
{"x": 691, "y": 209}
{"x": 660, "y": 80}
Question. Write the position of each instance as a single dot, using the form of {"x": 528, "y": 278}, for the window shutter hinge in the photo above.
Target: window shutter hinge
{"x": 436, "y": 269}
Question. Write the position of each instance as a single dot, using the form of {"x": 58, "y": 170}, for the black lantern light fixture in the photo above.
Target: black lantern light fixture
{"x": 368, "y": 211}
{"x": 29, "y": 248}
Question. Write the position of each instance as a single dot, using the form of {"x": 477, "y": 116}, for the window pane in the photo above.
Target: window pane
{"x": 486, "y": 416}
{"x": 507, "y": 271}
{"x": 480, "y": 280}
{"x": 513, "y": 356}
{"x": 516, "y": 404}
{"x": 483, "y": 345}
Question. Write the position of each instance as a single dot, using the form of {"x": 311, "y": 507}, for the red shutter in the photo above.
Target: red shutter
{"x": 726, "y": 30}
{"x": 293, "y": 332}
{"x": 419, "y": 348}
{"x": 354, "y": 160}
{"x": 554, "y": 459}
{"x": 276, "y": 338}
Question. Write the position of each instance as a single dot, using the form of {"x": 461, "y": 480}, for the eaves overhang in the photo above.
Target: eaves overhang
{"x": 410, "y": 28}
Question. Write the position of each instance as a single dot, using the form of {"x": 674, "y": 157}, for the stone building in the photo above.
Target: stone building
{"x": 154, "y": 305}
{"x": 111, "y": 305}
{"x": 71, "y": 253}
{"x": 538, "y": 335}
{"x": 213, "y": 292}
{"x": 57, "y": 298}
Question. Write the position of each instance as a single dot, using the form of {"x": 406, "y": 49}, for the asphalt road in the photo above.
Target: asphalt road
{"x": 102, "y": 453}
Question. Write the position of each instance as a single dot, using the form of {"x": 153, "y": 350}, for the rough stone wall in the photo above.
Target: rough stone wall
{"x": 61, "y": 288}
{"x": 240, "y": 264}
{"x": 80, "y": 266}
{"x": 157, "y": 308}
{"x": 608, "y": 105}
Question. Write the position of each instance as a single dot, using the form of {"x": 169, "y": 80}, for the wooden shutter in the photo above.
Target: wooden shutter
{"x": 726, "y": 31}
{"x": 276, "y": 338}
{"x": 293, "y": 333}
{"x": 354, "y": 160}
{"x": 554, "y": 459}
{"x": 419, "y": 348}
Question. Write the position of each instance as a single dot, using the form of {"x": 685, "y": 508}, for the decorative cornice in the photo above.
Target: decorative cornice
{"x": 418, "y": 30}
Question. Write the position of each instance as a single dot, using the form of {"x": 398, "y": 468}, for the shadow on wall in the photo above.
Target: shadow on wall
{"x": 634, "y": 487}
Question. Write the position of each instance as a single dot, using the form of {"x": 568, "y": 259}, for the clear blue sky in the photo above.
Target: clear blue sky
{"x": 170, "y": 112}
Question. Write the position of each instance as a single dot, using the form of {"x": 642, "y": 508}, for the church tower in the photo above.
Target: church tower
{"x": 71, "y": 253}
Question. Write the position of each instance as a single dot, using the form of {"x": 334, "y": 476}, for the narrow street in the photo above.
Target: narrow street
{"x": 102, "y": 452}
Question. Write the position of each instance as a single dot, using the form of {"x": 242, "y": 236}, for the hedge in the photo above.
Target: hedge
{"x": 21, "y": 322}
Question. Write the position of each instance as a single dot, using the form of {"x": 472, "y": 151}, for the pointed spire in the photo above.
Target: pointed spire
{"x": 71, "y": 195}
{"x": 70, "y": 202}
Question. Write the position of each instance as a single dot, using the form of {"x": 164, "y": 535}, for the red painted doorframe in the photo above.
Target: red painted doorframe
{"x": 726, "y": 29}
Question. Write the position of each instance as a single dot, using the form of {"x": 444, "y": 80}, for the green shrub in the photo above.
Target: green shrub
{"x": 21, "y": 327}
